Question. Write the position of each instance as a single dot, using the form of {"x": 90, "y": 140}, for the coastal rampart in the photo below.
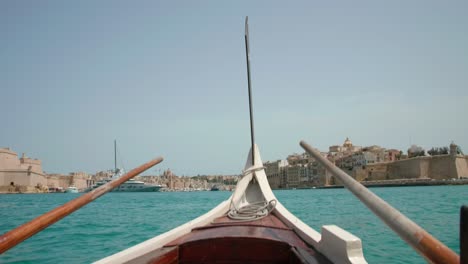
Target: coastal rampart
{"x": 25, "y": 175}
{"x": 433, "y": 167}
{"x": 20, "y": 174}
{"x": 438, "y": 168}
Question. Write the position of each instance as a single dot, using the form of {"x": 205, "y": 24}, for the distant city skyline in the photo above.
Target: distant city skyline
{"x": 161, "y": 170}
{"x": 169, "y": 79}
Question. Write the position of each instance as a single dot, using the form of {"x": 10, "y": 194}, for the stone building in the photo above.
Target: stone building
{"x": 80, "y": 180}
{"x": 392, "y": 155}
{"x": 20, "y": 174}
{"x": 346, "y": 148}
{"x": 295, "y": 175}
{"x": 372, "y": 163}
{"x": 298, "y": 171}
{"x": 439, "y": 167}
{"x": 299, "y": 159}
{"x": 318, "y": 175}
{"x": 276, "y": 174}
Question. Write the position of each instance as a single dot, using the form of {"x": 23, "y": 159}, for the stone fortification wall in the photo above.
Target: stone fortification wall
{"x": 58, "y": 180}
{"x": 462, "y": 166}
{"x": 21, "y": 178}
{"x": 373, "y": 172}
{"x": 20, "y": 174}
{"x": 79, "y": 180}
{"x": 8, "y": 159}
{"x": 23, "y": 189}
{"x": 407, "y": 169}
{"x": 442, "y": 167}
{"x": 24, "y": 174}
{"x": 80, "y": 183}
{"x": 31, "y": 164}
{"x": 434, "y": 167}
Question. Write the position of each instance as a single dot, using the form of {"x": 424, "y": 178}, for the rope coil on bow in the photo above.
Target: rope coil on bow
{"x": 253, "y": 211}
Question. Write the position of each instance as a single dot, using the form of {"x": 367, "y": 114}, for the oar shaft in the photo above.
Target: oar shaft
{"x": 426, "y": 245}
{"x": 21, "y": 233}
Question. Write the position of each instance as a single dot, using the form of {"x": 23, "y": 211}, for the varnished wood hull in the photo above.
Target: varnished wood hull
{"x": 268, "y": 240}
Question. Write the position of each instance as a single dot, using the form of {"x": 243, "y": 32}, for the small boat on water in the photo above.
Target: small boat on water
{"x": 71, "y": 189}
{"x": 56, "y": 190}
{"x": 252, "y": 226}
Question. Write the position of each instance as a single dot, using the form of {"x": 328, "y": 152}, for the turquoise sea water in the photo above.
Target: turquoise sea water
{"x": 119, "y": 220}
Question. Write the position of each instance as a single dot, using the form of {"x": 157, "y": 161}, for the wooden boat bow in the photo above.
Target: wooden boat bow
{"x": 278, "y": 237}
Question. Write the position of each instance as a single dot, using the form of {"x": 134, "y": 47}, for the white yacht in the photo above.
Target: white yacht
{"x": 128, "y": 186}
{"x": 72, "y": 189}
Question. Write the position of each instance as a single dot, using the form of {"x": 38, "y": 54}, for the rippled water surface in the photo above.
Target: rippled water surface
{"x": 119, "y": 220}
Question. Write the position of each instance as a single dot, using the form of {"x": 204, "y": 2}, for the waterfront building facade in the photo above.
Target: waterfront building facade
{"x": 276, "y": 173}
{"x": 296, "y": 175}
{"x": 372, "y": 163}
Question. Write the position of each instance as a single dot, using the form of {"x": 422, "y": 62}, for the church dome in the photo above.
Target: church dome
{"x": 347, "y": 143}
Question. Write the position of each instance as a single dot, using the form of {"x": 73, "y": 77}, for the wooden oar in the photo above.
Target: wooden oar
{"x": 17, "y": 235}
{"x": 426, "y": 245}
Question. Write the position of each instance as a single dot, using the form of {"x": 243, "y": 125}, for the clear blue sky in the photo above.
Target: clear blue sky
{"x": 169, "y": 78}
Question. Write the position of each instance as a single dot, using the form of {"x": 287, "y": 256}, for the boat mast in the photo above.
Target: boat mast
{"x": 115, "y": 156}
{"x": 247, "y": 55}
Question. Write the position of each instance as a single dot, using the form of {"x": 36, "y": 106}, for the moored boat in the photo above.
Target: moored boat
{"x": 56, "y": 190}
{"x": 128, "y": 186}
{"x": 131, "y": 185}
{"x": 71, "y": 189}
